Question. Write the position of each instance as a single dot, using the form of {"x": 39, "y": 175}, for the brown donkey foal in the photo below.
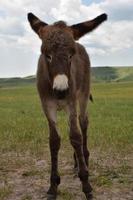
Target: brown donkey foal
{"x": 63, "y": 79}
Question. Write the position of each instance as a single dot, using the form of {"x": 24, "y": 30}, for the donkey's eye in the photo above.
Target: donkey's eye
{"x": 49, "y": 57}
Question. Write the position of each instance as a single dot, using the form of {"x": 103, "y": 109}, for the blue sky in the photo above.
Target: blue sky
{"x": 87, "y": 2}
{"x": 111, "y": 44}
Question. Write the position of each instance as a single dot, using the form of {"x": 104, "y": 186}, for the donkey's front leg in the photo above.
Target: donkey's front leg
{"x": 77, "y": 143}
{"x": 54, "y": 143}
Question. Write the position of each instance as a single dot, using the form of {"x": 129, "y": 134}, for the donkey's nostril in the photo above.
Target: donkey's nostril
{"x": 61, "y": 94}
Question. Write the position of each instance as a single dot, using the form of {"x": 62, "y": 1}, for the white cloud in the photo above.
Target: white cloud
{"x": 111, "y": 37}
{"x": 115, "y": 35}
{"x": 11, "y": 26}
{"x": 96, "y": 51}
{"x": 74, "y": 11}
{"x": 118, "y": 10}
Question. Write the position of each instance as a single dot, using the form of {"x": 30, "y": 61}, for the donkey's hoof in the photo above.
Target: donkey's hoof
{"x": 89, "y": 196}
{"x": 52, "y": 193}
{"x": 51, "y": 196}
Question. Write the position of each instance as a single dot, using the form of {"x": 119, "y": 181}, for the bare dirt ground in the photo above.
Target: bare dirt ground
{"x": 27, "y": 178}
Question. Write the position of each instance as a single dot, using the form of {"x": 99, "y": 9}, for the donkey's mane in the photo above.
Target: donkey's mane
{"x": 60, "y": 24}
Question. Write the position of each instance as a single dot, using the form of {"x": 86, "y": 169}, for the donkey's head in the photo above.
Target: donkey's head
{"x": 58, "y": 47}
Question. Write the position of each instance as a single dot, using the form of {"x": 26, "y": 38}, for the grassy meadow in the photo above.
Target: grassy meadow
{"x": 24, "y": 152}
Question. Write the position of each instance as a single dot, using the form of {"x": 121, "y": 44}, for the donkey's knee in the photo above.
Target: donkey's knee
{"x": 83, "y": 176}
{"x": 83, "y": 120}
{"x": 86, "y": 156}
{"x": 76, "y": 140}
{"x": 54, "y": 139}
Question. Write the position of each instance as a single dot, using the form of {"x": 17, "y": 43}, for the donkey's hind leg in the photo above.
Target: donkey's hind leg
{"x": 83, "y": 121}
{"x": 54, "y": 143}
{"x": 77, "y": 143}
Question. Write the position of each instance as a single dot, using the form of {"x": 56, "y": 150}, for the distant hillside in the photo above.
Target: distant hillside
{"x": 6, "y": 82}
{"x": 98, "y": 74}
{"x": 108, "y": 74}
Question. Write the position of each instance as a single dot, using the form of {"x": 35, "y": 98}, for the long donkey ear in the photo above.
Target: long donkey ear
{"x": 82, "y": 28}
{"x": 36, "y": 23}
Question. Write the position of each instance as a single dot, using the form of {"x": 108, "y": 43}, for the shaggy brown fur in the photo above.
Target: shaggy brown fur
{"x": 63, "y": 79}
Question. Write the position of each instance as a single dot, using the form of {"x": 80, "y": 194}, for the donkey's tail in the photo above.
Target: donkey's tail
{"x": 91, "y": 98}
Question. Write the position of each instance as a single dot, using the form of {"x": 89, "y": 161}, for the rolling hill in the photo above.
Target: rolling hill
{"x": 98, "y": 74}
{"x": 17, "y": 81}
{"x": 108, "y": 74}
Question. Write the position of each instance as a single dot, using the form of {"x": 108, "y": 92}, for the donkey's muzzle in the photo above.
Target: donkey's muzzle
{"x": 61, "y": 94}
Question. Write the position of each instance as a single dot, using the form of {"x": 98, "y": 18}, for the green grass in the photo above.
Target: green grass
{"x": 24, "y": 138}
{"x": 111, "y": 116}
{"x": 22, "y": 123}
{"x": 5, "y": 192}
{"x": 23, "y": 127}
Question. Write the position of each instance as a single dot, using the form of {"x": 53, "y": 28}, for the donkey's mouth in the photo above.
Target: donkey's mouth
{"x": 61, "y": 94}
